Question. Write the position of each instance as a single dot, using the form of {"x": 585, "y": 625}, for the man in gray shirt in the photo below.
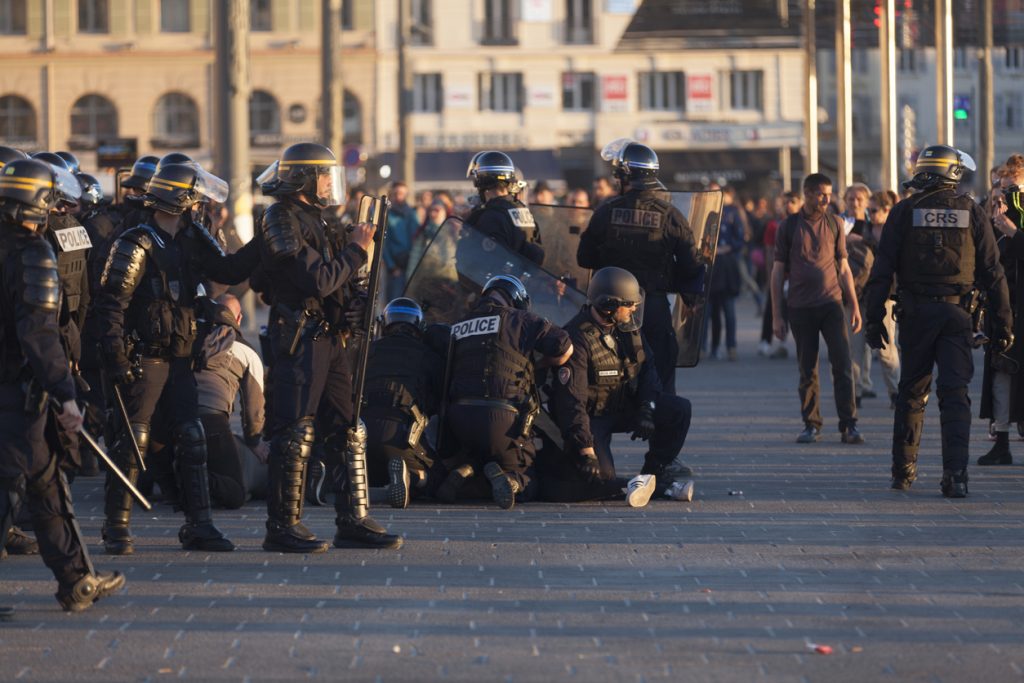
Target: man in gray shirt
{"x": 810, "y": 250}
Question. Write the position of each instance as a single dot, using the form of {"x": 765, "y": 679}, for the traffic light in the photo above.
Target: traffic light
{"x": 961, "y": 107}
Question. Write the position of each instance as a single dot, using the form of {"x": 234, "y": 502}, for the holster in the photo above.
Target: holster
{"x": 527, "y": 414}
{"x": 416, "y": 426}
{"x": 35, "y": 397}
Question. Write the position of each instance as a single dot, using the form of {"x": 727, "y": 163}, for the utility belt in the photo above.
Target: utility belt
{"x": 527, "y": 411}
{"x": 294, "y": 324}
{"x": 908, "y": 300}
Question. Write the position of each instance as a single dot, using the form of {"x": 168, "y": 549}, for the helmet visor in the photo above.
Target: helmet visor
{"x": 268, "y": 175}
{"x": 473, "y": 164}
{"x": 210, "y": 186}
{"x": 330, "y": 185}
{"x": 614, "y": 148}
{"x": 967, "y": 162}
{"x": 66, "y": 184}
{"x": 635, "y": 320}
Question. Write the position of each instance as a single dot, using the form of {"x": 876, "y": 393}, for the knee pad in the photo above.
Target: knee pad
{"x": 190, "y": 443}
{"x": 296, "y": 442}
{"x": 141, "y": 432}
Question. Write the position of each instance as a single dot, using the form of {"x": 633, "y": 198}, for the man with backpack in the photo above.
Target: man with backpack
{"x": 811, "y": 252}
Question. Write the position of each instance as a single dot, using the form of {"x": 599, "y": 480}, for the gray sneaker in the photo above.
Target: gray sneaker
{"x": 809, "y": 435}
{"x": 677, "y": 470}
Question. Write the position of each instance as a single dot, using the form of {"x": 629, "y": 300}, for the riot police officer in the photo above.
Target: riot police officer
{"x": 939, "y": 245}
{"x": 310, "y": 379}
{"x": 501, "y": 216}
{"x": 34, "y": 368}
{"x": 146, "y": 311}
{"x": 642, "y": 232}
{"x": 493, "y": 394}
{"x": 404, "y": 375}
{"x": 610, "y": 385}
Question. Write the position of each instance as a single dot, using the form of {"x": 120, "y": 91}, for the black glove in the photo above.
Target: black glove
{"x": 644, "y": 427}
{"x": 121, "y": 372}
{"x": 589, "y": 466}
{"x": 876, "y": 336}
{"x": 355, "y": 310}
{"x": 1003, "y": 342}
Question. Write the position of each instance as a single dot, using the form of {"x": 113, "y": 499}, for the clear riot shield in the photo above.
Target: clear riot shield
{"x": 459, "y": 261}
{"x": 560, "y": 229}
{"x": 703, "y": 212}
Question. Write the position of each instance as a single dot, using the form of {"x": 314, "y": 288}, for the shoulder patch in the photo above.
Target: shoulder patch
{"x": 477, "y": 326}
{"x": 564, "y": 374}
{"x": 73, "y": 239}
{"x": 522, "y": 218}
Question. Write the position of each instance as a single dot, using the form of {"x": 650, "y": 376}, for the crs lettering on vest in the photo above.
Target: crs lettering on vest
{"x": 73, "y": 239}
{"x": 636, "y": 218}
{"x": 522, "y": 218}
{"x": 477, "y": 326}
{"x": 942, "y": 218}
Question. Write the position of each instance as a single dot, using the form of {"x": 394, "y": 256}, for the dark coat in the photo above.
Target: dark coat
{"x": 1012, "y": 257}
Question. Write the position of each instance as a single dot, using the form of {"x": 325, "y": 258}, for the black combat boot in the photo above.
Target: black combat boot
{"x": 503, "y": 487}
{"x": 198, "y": 532}
{"x": 356, "y": 529}
{"x": 999, "y": 454}
{"x": 954, "y": 483}
{"x": 80, "y": 595}
{"x": 20, "y": 543}
{"x": 117, "y": 537}
{"x": 286, "y": 483}
{"x": 449, "y": 489}
{"x": 903, "y": 477}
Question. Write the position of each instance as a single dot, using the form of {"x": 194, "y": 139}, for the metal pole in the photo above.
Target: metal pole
{"x": 887, "y": 54}
{"x": 405, "y": 87}
{"x": 232, "y": 107}
{"x": 844, "y": 86}
{"x": 811, "y": 102}
{"x": 785, "y": 168}
{"x": 986, "y": 108}
{"x": 331, "y": 87}
{"x": 944, "y": 72}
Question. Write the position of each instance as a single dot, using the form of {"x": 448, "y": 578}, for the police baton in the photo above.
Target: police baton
{"x": 114, "y": 469}
{"x": 371, "y": 210}
{"x": 128, "y": 428}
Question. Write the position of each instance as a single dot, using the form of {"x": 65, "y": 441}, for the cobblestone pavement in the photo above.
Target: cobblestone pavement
{"x": 785, "y": 548}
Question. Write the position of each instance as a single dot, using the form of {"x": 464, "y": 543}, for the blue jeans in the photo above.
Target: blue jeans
{"x": 722, "y": 303}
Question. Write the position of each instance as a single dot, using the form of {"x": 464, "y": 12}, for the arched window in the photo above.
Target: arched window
{"x": 264, "y": 118}
{"x": 176, "y": 121}
{"x": 93, "y": 118}
{"x": 352, "y": 125}
{"x": 17, "y": 120}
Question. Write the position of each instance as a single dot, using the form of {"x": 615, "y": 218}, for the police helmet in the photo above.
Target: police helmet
{"x": 71, "y": 160}
{"x": 176, "y": 187}
{"x": 633, "y": 162}
{"x": 613, "y": 287}
{"x": 29, "y": 190}
{"x": 9, "y": 154}
{"x": 52, "y": 158}
{"x": 65, "y": 198}
{"x": 173, "y": 158}
{"x": 299, "y": 171}
{"x": 142, "y": 172}
{"x": 940, "y": 165}
{"x": 492, "y": 169}
{"x": 512, "y": 288}
{"x": 92, "y": 192}
{"x": 403, "y": 310}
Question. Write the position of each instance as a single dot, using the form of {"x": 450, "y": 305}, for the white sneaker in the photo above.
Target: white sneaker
{"x": 764, "y": 348}
{"x": 639, "y": 490}
{"x": 680, "y": 490}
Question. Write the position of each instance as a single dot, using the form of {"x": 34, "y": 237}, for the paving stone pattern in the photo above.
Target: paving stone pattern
{"x": 786, "y": 547}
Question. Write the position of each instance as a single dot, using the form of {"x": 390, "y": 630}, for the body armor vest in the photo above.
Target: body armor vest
{"x": 162, "y": 311}
{"x": 615, "y": 360}
{"x": 71, "y": 244}
{"x": 937, "y": 254}
{"x": 11, "y": 359}
{"x": 485, "y": 364}
{"x": 395, "y": 376}
{"x": 637, "y": 240}
{"x": 513, "y": 210}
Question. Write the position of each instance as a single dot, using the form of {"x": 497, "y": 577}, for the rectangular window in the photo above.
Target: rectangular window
{"x": 261, "y": 15}
{"x": 579, "y": 22}
{"x": 93, "y": 16}
{"x": 427, "y": 93}
{"x": 907, "y": 60}
{"x": 578, "y": 91}
{"x": 348, "y": 21}
{"x": 174, "y": 16}
{"x": 662, "y": 91}
{"x": 499, "y": 23}
{"x": 12, "y": 17}
{"x": 501, "y": 92}
{"x": 422, "y": 29}
{"x": 745, "y": 90}
{"x": 1010, "y": 111}
{"x": 961, "y": 55}
{"x": 864, "y": 114}
{"x": 1014, "y": 58}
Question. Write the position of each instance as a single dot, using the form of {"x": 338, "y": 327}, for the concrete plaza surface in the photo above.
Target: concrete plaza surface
{"x": 786, "y": 547}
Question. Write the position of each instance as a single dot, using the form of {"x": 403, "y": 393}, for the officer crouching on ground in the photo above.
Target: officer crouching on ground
{"x": 493, "y": 394}
{"x": 34, "y": 367}
{"x": 404, "y": 375}
{"x": 610, "y": 385}
{"x": 939, "y": 245}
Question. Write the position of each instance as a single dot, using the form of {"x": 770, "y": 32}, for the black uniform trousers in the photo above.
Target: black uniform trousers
{"x": 27, "y": 463}
{"x": 387, "y": 438}
{"x": 661, "y": 337}
{"x": 487, "y": 434}
{"x": 934, "y": 333}
{"x": 829, "y": 321}
{"x": 224, "y": 464}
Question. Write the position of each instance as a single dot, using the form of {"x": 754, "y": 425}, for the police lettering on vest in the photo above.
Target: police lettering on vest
{"x": 522, "y": 218}
{"x": 73, "y": 239}
{"x": 476, "y": 326}
{"x": 636, "y": 218}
